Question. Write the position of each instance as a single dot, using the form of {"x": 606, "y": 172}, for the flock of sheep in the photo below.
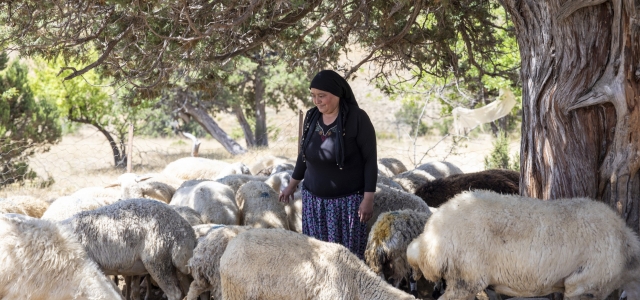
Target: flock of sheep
{"x": 203, "y": 229}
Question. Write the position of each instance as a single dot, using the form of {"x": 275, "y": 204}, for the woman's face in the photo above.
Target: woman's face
{"x": 326, "y": 102}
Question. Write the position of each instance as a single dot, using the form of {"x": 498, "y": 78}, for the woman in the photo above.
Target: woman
{"x": 338, "y": 164}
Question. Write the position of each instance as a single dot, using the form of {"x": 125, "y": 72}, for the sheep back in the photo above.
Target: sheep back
{"x": 390, "y": 199}
{"x": 213, "y": 200}
{"x": 391, "y": 166}
{"x": 526, "y": 247}
{"x": 386, "y": 252}
{"x": 205, "y": 263}
{"x": 412, "y": 180}
{"x": 261, "y": 208}
{"x": 41, "y": 260}
{"x": 187, "y": 168}
{"x": 281, "y": 264}
{"x": 438, "y": 191}
{"x": 440, "y": 169}
{"x": 25, "y": 205}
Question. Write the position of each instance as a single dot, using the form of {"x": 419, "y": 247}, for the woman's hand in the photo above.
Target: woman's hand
{"x": 287, "y": 194}
{"x": 365, "y": 212}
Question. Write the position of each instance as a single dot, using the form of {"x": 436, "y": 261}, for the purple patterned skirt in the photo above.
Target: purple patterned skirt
{"x": 335, "y": 220}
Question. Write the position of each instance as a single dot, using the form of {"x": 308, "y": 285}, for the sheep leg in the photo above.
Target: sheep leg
{"x": 184, "y": 280}
{"x": 135, "y": 287}
{"x": 492, "y": 294}
{"x": 127, "y": 287}
{"x": 147, "y": 296}
{"x": 196, "y": 289}
{"x": 457, "y": 289}
{"x": 165, "y": 276}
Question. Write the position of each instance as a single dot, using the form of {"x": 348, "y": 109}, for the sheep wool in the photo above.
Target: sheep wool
{"x": 411, "y": 180}
{"x": 136, "y": 237}
{"x": 25, "y": 205}
{"x": 438, "y": 191}
{"x": 261, "y": 208}
{"x": 526, "y": 247}
{"x": 280, "y": 264}
{"x": 213, "y": 200}
{"x": 42, "y": 261}
{"x": 187, "y": 168}
{"x": 205, "y": 263}
{"x": 387, "y": 199}
{"x": 389, "y": 166}
{"x": 440, "y": 169}
{"x": 386, "y": 252}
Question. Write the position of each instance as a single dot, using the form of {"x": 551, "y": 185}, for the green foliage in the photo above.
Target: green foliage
{"x": 409, "y": 114}
{"x": 499, "y": 157}
{"x": 27, "y": 125}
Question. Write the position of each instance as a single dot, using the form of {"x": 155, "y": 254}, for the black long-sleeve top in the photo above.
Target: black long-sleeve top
{"x": 321, "y": 174}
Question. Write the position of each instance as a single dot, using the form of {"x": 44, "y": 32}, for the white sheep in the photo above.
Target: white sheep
{"x": 67, "y": 206}
{"x": 526, "y": 247}
{"x": 189, "y": 214}
{"x": 258, "y": 168}
{"x": 236, "y": 180}
{"x": 280, "y": 264}
{"x": 205, "y": 263}
{"x": 25, "y": 205}
{"x": 294, "y": 212}
{"x": 261, "y": 208}
{"x": 279, "y": 181}
{"x": 134, "y": 186}
{"x": 213, "y": 200}
{"x": 187, "y": 168}
{"x": 439, "y": 169}
{"x": 389, "y": 182}
{"x": 386, "y": 252}
{"x": 202, "y": 229}
{"x": 413, "y": 179}
{"x": 387, "y": 199}
{"x": 233, "y": 168}
{"x": 137, "y": 237}
{"x": 390, "y": 166}
{"x": 40, "y": 260}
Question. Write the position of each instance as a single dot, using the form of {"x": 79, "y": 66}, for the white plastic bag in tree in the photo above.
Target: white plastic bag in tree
{"x": 465, "y": 119}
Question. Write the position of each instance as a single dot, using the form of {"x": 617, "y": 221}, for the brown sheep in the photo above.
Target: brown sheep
{"x": 437, "y": 192}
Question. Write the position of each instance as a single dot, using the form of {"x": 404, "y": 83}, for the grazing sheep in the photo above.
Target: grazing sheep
{"x": 261, "y": 208}
{"x": 525, "y": 247}
{"x": 234, "y": 168}
{"x": 279, "y": 181}
{"x": 187, "y": 168}
{"x": 410, "y": 181}
{"x": 137, "y": 237}
{"x": 40, "y": 260}
{"x": 25, "y": 205}
{"x": 386, "y": 252}
{"x": 213, "y": 200}
{"x": 134, "y": 186}
{"x": 67, "y": 206}
{"x": 237, "y": 180}
{"x": 189, "y": 214}
{"x": 390, "y": 166}
{"x": 389, "y": 199}
{"x": 205, "y": 263}
{"x": 438, "y": 191}
{"x": 389, "y": 182}
{"x": 440, "y": 169}
{"x": 268, "y": 161}
{"x": 280, "y": 264}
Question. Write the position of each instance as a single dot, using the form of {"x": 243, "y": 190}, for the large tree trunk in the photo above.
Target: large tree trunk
{"x": 204, "y": 119}
{"x": 580, "y": 131}
{"x": 246, "y": 127}
{"x": 262, "y": 138}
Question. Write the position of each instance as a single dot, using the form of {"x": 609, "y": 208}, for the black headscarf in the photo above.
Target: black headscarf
{"x": 332, "y": 82}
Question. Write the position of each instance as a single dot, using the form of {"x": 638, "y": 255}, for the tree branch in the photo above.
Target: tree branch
{"x": 571, "y": 6}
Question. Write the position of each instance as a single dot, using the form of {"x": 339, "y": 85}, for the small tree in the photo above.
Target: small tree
{"x": 26, "y": 125}
{"x": 499, "y": 157}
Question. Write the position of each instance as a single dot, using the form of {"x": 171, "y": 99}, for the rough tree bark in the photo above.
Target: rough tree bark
{"x": 262, "y": 138}
{"x": 244, "y": 124}
{"x": 581, "y": 121}
{"x": 205, "y": 120}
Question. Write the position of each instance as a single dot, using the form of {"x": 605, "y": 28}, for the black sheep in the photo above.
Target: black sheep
{"x": 438, "y": 191}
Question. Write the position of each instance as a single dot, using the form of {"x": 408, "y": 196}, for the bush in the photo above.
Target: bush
{"x": 499, "y": 157}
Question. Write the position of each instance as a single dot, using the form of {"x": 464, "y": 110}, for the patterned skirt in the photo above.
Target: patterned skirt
{"x": 335, "y": 220}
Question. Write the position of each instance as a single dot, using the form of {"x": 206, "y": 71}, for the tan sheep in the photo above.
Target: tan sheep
{"x": 277, "y": 264}
{"x": 261, "y": 208}
{"x": 525, "y": 247}
{"x": 440, "y": 169}
{"x": 236, "y": 180}
{"x": 134, "y": 186}
{"x": 25, "y": 205}
{"x": 213, "y": 200}
{"x": 412, "y": 180}
{"x": 187, "y": 168}
{"x": 205, "y": 263}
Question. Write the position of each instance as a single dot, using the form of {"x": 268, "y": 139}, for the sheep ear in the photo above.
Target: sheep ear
{"x": 143, "y": 178}
{"x": 112, "y": 184}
